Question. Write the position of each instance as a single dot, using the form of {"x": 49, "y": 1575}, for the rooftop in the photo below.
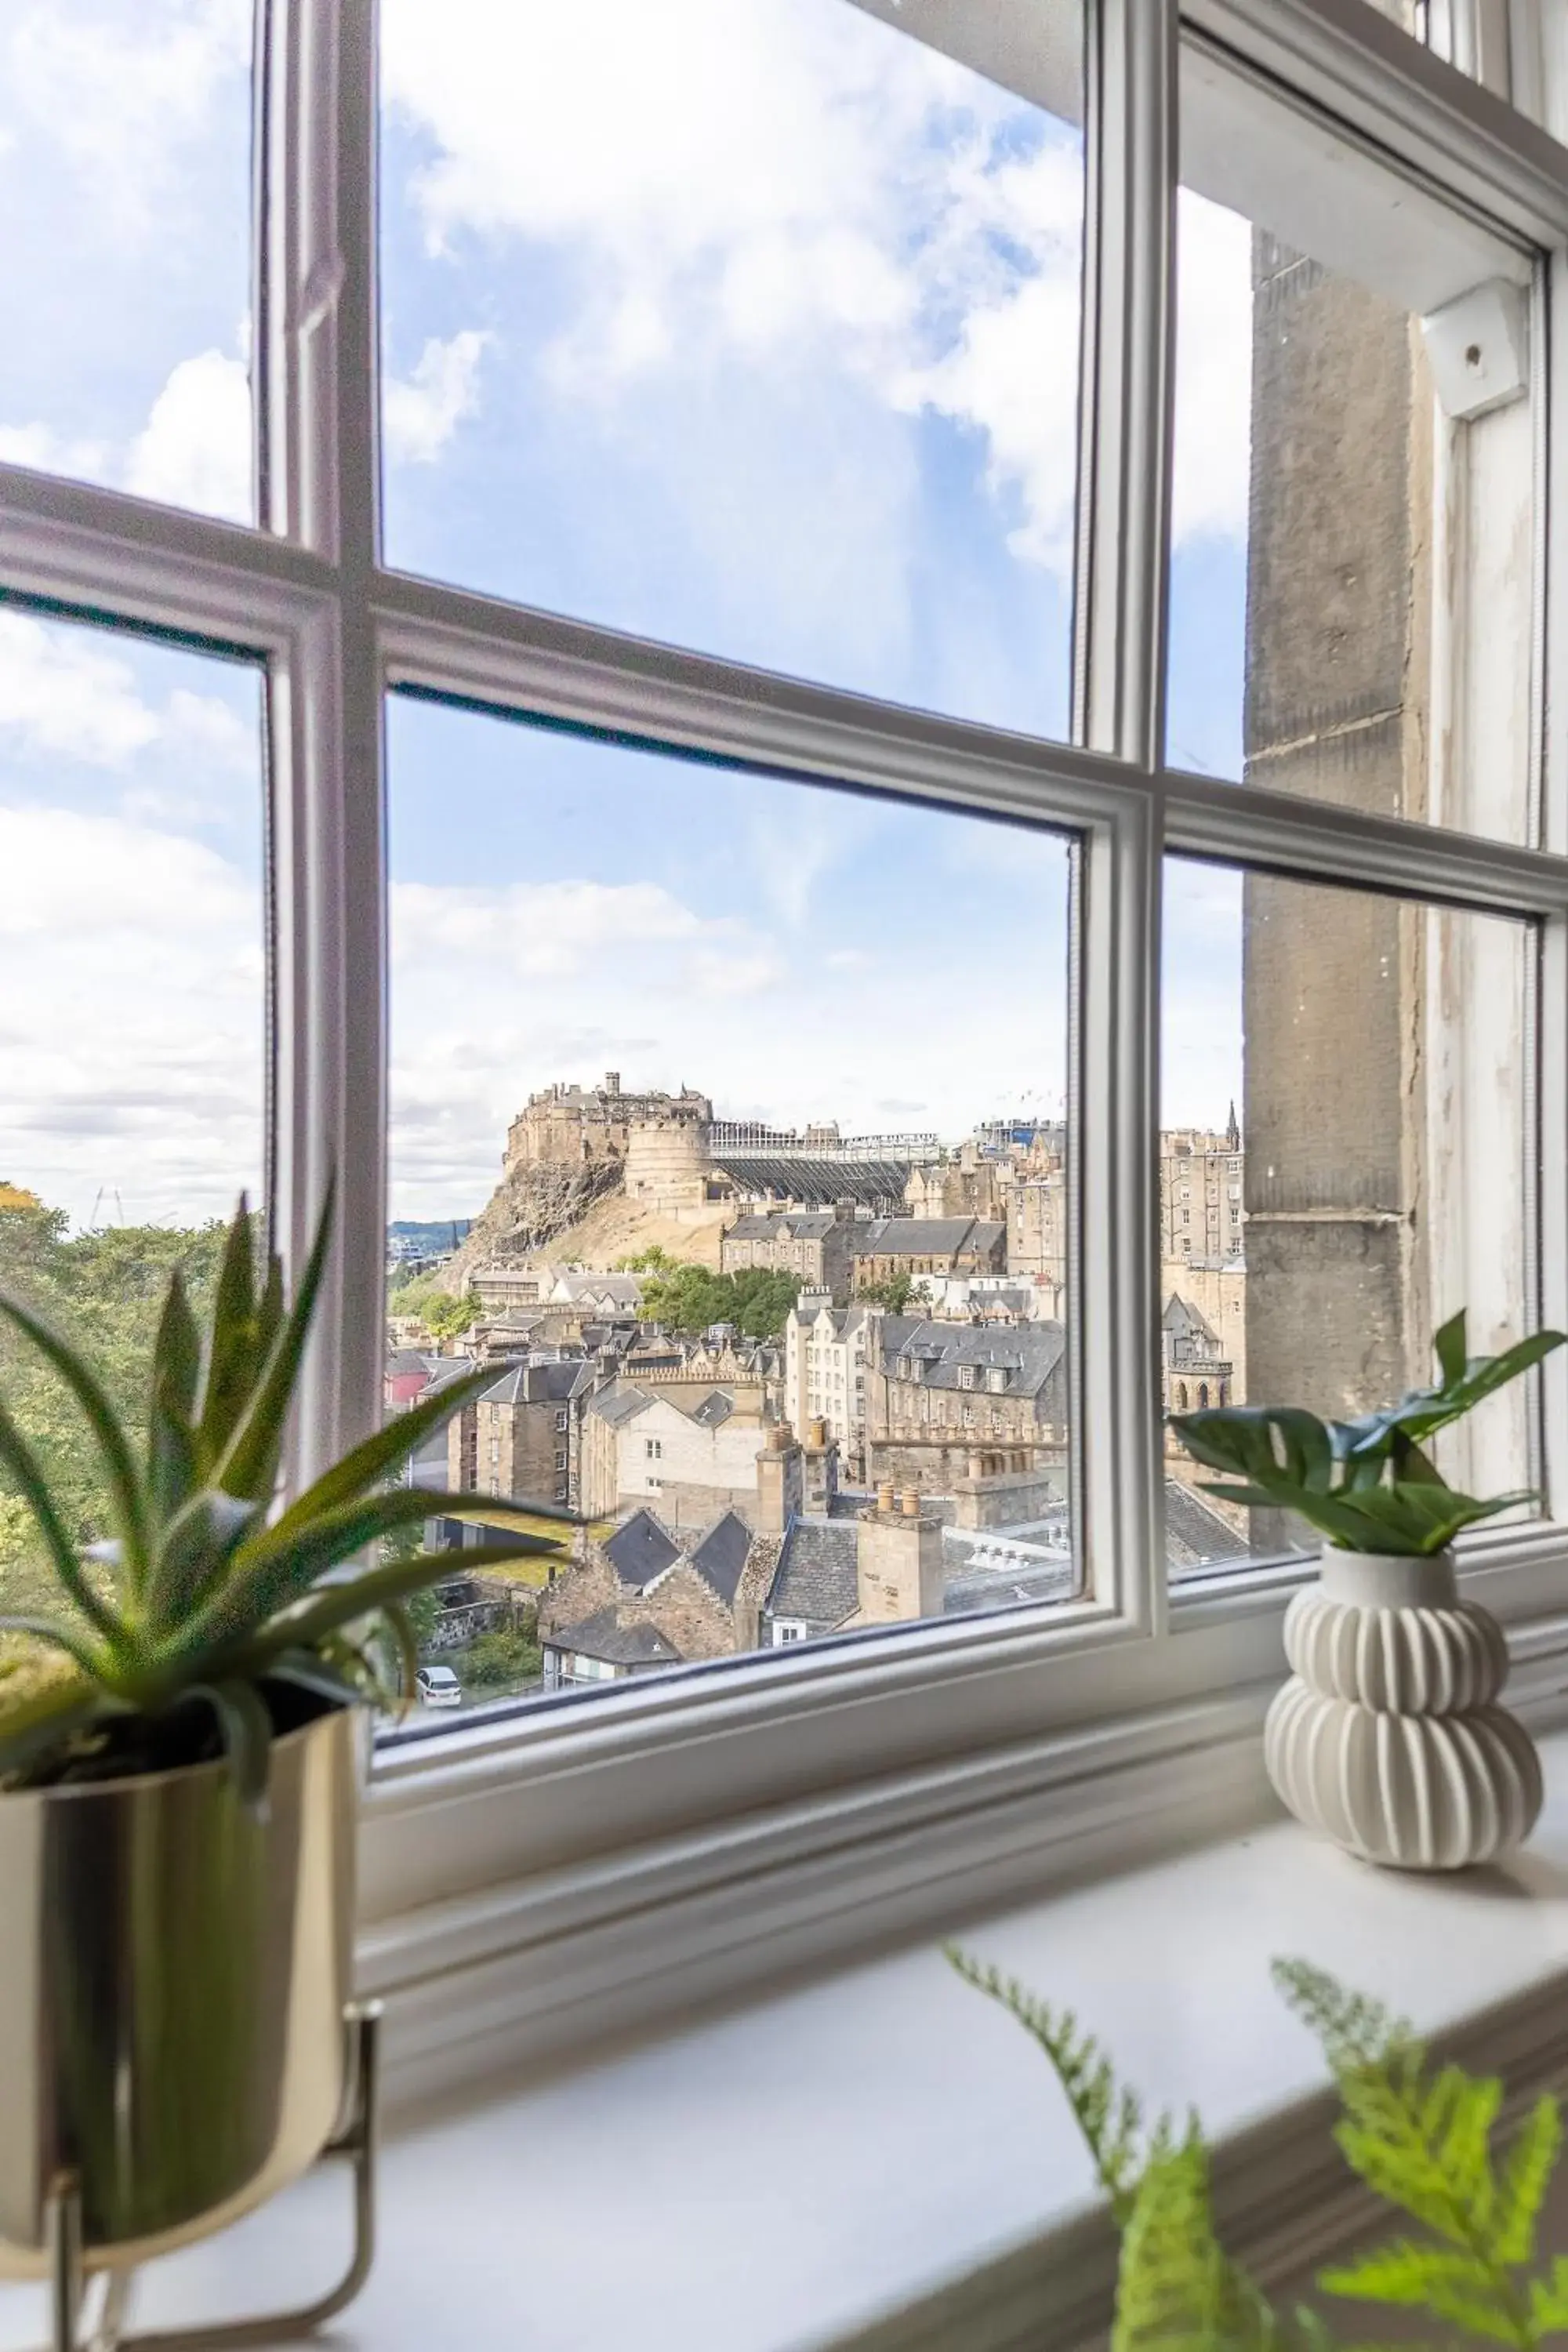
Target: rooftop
{"x": 602, "y": 1636}
{"x": 639, "y": 1550}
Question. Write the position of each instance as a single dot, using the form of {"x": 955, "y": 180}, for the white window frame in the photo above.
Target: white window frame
{"x": 867, "y": 1786}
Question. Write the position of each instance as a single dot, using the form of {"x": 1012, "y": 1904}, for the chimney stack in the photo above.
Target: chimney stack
{"x": 898, "y": 1559}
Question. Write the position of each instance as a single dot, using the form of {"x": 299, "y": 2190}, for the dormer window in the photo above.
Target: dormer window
{"x": 967, "y": 1376}
{"x": 995, "y": 1379}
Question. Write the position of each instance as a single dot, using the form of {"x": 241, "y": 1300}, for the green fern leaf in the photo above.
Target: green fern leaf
{"x": 1525, "y": 2175}
{"x": 1111, "y": 2118}
{"x": 1176, "y": 2291}
{"x": 1446, "y": 2282}
{"x": 1549, "y": 2301}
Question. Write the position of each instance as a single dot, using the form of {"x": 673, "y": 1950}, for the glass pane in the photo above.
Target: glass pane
{"x": 133, "y": 977}
{"x": 749, "y": 327}
{"x": 125, "y": 269}
{"x": 1351, "y": 571}
{"x": 1346, "y": 1136}
{"x": 695, "y": 1136}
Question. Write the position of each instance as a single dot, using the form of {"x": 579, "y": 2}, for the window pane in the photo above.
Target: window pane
{"x": 778, "y": 1223}
{"x": 751, "y": 328}
{"x": 132, "y": 977}
{"x": 125, "y": 269}
{"x": 1352, "y": 575}
{"x": 1346, "y": 1135}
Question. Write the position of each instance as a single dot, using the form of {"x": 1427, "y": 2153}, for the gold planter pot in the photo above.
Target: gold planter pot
{"x": 174, "y": 1978}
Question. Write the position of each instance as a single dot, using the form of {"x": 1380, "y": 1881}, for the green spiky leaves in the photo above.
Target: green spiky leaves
{"x": 1367, "y": 1485}
{"x": 210, "y": 1591}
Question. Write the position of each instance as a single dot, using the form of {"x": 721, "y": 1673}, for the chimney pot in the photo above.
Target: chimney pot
{"x": 909, "y": 1502}
{"x": 885, "y": 1497}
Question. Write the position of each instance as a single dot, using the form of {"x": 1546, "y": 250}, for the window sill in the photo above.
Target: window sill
{"x": 887, "y": 2143}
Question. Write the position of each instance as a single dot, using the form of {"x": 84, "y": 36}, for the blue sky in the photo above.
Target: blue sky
{"x": 772, "y": 350}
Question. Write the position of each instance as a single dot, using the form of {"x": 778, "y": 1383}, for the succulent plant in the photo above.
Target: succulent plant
{"x": 209, "y": 1595}
{"x": 1367, "y": 1485}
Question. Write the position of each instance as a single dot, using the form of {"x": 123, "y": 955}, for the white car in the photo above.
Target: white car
{"x": 439, "y": 1687}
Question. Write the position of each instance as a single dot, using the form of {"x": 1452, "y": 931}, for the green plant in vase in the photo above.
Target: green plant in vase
{"x": 1385, "y": 1632}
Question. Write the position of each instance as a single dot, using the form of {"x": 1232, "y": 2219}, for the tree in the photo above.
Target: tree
{"x": 104, "y": 1291}
{"x": 894, "y": 1292}
{"x": 691, "y": 1298}
{"x": 443, "y": 1314}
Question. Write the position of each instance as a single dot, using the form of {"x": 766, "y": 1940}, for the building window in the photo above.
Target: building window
{"x": 526, "y": 576}
{"x": 561, "y": 1422}
{"x": 653, "y": 1449}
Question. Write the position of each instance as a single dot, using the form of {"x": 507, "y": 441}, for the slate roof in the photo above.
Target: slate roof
{"x": 816, "y": 1578}
{"x": 776, "y": 1226}
{"x": 1195, "y": 1535}
{"x": 602, "y": 1636}
{"x": 539, "y": 1379}
{"x": 639, "y": 1550}
{"x": 1183, "y": 1320}
{"x": 927, "y": 1236}
{"x": 617, "y": 1405}
{"x": 1030, "y": 1353}
{"x": 721, "y": 1557}
{"x": 714, "y": 1410}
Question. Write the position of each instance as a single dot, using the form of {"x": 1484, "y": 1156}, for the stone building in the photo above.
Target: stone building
{"x": 938, "y": 1392}
{"x": 962, "y": 1183}
{"x": 521, "y": 1438}
{"x": 1195, "y": 1372}
{"x": 817, "y": 1247}
{"x": 687, "y": 1457}
{"x": 827, "y": 1352}
{"x": 1201, "y": 1190}
{"x": 1037, "y": 1211}
{"x": 1216, "y": 1288}
{"x": 647, "y": 1597}
{"x": 575, "y": 1127}
{"x": 887, "y": 1247}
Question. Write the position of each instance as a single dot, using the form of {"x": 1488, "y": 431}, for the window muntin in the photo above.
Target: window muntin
{"x": 134, "y": 976}
{"x": 125, "y": 272}
{"x": 798, "y": 1114}
{"x": 1373, "y": 1056}
{"x": 1335, "y": 460}
{"x": 753, "y": 331}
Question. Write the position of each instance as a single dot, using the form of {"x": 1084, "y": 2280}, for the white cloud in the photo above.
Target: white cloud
{"x": 49, "y": 452}
{"x": 792, "y": 188}
{"x": 196, "y": 449}
{"x": 61, "y": 695}
{"x": 120, "y": 92}
{"x": 131, "y": 1035}
{"x": 422, "y": 413}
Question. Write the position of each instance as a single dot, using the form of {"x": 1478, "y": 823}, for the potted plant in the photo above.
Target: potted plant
{"x": 1388, "y": 1737}
{"x": 177, "y": 1800}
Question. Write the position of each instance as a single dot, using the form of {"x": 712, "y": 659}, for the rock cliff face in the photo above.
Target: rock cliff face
{"x": 529, "y": 1208}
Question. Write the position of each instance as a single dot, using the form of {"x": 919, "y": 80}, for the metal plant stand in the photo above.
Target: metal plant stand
{"x": 354, "y": 2144}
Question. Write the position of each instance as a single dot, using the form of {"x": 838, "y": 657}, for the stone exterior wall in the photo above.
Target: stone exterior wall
{"x": 1202, "y": 1194}
{"x": 668, "y": 1166}
{"x": 1338, "y": 647}
{"x": 574, "y": 1127}
{"x": 817, "y": 1248}
{"x": 1036, "y": 1226}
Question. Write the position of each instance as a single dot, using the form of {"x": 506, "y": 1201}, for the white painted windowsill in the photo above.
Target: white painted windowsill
{"x": 790, "y": 2174}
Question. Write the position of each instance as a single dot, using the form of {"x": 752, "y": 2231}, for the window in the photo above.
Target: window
{"x": 788, "y": 305}
{"x": 125, "y": 173}
{"x": 620, "y": 727}
{"x": 133, "y": 975}
{"x": 562, "y": 1422}
{"x": 1387, "y": 1186}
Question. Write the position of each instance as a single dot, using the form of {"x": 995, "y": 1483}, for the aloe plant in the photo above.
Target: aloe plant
{"x": 208, "y": 1594}
{"x": 1368, "y": 1484}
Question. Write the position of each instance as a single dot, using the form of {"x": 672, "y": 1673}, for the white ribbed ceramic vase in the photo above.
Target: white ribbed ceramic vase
{"x": 1388, "y": 1737}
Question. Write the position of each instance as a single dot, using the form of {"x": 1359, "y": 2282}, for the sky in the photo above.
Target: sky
{"x": 763, "y": 341}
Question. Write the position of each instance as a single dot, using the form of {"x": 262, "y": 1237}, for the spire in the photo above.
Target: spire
{"x": 1233, "y": 1132}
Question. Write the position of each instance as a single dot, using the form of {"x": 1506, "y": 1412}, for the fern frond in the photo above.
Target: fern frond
{"x": 1549, "y": 2300}
{"x": 1176, "y": 2290}
{"x": 1524, "y": 2177}
{"x": 1443, "y": 2279}
{"x": 1111, "y": 2118}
